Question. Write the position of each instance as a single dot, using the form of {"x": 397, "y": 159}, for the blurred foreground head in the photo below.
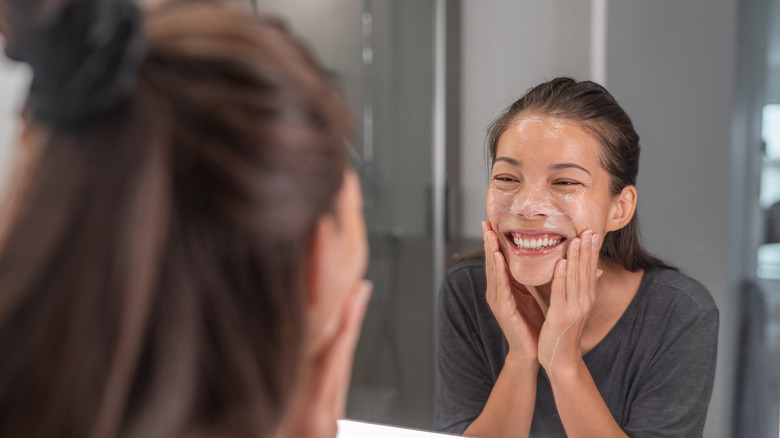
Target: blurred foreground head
{"x": 153, "y": 250}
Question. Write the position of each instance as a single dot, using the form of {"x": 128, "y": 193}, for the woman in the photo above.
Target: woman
{"x": 567, "y": 326}
{"x": 183, "y": 249}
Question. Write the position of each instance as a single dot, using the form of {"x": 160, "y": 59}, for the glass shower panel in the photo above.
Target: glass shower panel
{"x": 379, "y": 54}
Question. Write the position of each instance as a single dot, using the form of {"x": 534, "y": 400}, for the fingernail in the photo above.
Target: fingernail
{"x": 366, "y": 289}
{"x": 562, "y": 265}
{"x": 484, "y": 227}
{"x": 595, "y": 239}
{"x": 576, "y": 243}
{"x": 497, "y": 256}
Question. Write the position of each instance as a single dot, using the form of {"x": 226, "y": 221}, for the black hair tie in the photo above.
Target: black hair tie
{"x": 84, "y": 62}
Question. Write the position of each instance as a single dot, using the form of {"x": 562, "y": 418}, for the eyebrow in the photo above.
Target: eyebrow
{"x": 559, "y": 166}
{"x": 511, "y": 161}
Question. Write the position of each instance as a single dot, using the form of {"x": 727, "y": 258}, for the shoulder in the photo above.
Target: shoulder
{"x": 472, "y": 267}
{"x": 673, "y": 304}
{"x": 464, "y": 283}
{"x": 679, "y": 289}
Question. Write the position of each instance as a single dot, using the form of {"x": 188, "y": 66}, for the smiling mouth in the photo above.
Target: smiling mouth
{"x": 535, "y": 242}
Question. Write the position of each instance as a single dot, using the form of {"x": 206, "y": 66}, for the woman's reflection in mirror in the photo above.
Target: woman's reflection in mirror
{"x": 567, "y": 326}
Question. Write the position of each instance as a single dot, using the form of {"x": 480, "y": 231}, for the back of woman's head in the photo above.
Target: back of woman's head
{"x": 595, "y": 110}
{"x": 152, "y": 263}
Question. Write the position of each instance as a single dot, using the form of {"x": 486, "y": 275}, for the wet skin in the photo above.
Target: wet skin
{"x": 549, "y": 208}
{"x": 546, "y": 182}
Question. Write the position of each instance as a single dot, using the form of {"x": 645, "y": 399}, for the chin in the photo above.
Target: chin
{"x": 533, "y": 276}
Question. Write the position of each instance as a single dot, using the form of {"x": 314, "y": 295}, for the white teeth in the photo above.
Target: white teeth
{"x": 532, "y": 244}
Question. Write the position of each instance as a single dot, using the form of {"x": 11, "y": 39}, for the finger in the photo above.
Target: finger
{"x": 490, "y": 241}
{"x": 485, "y": 237}
{"x": 598, "y": 272}
{"x": 489, "y": 263}
{"x": 558, "y": 286}
{"x": 487, "y": 231}
{"x": 503, "y": 291}
{"x": 572, "y": 270}
{"x": 337, "y": 360}
{"x": 587, "y": 270}
{"x": 492, "y": 238}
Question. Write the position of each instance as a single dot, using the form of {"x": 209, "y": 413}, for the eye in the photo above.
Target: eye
{"x": 505, "y": 182}
{"x": 505, "y": 177}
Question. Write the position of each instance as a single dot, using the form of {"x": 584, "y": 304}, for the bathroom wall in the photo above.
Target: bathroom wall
{"x": 507, "y": 47}
{"x": 678, "y": 85}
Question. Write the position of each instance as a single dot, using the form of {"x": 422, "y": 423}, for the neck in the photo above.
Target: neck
{"x": 615, "y": 290}
{"x": 542, "y": 295}
{"x": 614, "y": 279}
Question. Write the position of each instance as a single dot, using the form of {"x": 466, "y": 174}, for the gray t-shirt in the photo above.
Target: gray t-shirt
{"x": 654, "y": 369}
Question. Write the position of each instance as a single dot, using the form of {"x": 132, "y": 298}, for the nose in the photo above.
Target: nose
{"x": 533, "y": 202}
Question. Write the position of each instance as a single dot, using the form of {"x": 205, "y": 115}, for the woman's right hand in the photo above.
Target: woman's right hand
{"x": 515, "y": 309}
{"x": 321, "y": 397}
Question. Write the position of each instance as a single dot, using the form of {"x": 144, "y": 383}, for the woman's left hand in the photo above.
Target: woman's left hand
{"x": 321, "y": 396}
{"x": 571, "y": 299}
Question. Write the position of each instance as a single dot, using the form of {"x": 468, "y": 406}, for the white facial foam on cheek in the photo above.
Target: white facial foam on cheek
{"x": 499, "y": 202}
{"x": 556, "y": 221}
{"x": 582, "y": 212}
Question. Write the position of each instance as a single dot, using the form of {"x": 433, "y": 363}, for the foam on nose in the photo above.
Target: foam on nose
{"x": 530, "y": 206}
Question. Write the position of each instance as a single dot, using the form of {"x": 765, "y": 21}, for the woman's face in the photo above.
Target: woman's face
{"x": 547, "y": 185}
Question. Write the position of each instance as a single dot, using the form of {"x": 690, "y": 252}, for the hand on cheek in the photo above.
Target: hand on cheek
{"x": 321, "y": 396}
{"x": 517, "y": 312}
{"x": 571, "y": 299}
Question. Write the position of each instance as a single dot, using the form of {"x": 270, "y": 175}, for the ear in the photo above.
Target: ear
{"x": 622, "y": 209}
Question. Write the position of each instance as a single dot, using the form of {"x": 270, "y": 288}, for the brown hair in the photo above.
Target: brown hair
{"x": 595, "y": 110}
{"x": 153, "y": 265}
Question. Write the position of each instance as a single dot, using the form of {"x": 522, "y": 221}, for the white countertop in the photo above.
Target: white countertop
{"x": 359, "y": 429}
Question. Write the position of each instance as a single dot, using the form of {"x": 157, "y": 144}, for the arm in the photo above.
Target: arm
{"x": 320, "y": 398}
{"x": 581, "y": 407}
{"x": 465, "y": 363}
{"x": 510, "y": 406}
{"x": 582, "y": 410}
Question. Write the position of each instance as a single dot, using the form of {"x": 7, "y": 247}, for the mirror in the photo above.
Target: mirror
{"x": 694, "y": 95}
{"x": 695, "y": 77}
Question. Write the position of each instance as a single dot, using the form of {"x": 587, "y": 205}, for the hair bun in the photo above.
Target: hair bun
{"x": 84, "y": 61}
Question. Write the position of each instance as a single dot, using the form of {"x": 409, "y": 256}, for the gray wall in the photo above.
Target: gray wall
{"x": 671, "y": 65}
{"x": 509, "y": 46}
{"x": 677, "y": 84}
{"x": 773, "y": 61}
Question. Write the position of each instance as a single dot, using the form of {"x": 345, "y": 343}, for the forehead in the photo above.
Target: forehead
{"x": 550, "y": 139}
